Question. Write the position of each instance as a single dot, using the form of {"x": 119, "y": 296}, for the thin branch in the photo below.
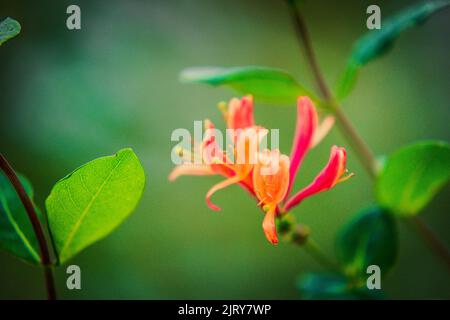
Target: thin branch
{"x": 430, "y": 237}
{"x": 35, "y": 222}
{"x": 361, "y": 149}
{"x": 50, "y": 283}
{"x": 305, "y": 42}
{"x": 358, "y": 144}
{"x": 314, "y": 250}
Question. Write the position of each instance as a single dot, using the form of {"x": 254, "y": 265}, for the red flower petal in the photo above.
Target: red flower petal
{"x": 306, "y": 125}
{"x": 223, "y": 184}
{"x": 190, "y": 170}
{"x": 325, "y": 180}
{"x": 240, "y": 113}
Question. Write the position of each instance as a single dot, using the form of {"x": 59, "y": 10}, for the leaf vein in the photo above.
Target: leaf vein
{"x": 86, "y": 210}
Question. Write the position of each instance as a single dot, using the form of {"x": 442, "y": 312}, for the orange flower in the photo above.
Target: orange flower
{"x": 271, "y": 179}
{"x": 274, "y": 191}
{"x": 271, "y": 182}
{"x": 237, "y": 170}
{"x": 239, "y": 116}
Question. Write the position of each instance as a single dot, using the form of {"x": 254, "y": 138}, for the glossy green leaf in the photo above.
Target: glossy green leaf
{"x": 368, "y": 239}
{"x": 412, "y": 176}
{"x": 9, "y": 28}
{"x": 324, "y": 286}
{"x": 377, "y": 42}
{"x": 265, "y": 84}
{"x": 92, "y": 201}
{"x": 16, "y": 231}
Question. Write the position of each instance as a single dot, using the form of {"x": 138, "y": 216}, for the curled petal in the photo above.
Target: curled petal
{"x": 326, "y": 179}
{"x": 190, "y": 170}
{"x": 228, "y": 171}
{"x": 217, "y": 187}
{"x": 269, "y": 226}
{"x": 271, "y": 177}
{"x": 307, "y": 119}
{"x": 222, "y": 169}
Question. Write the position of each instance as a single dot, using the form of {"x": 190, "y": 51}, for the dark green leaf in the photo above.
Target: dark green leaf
{"x": 9, "y": 28}
{"x": 412, "y": 176}
{"x": 369, "y": 239}
{"x": 333, "y": 286}
{"x": 16, "y": 232}
{"x": 377, "y": 42}
{"x": 265, "y": 84}
{"x": 93, "y": 200}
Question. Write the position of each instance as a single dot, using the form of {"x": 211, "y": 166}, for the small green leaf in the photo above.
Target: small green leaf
{"x": 369, "y": 239}
{"x": 377, "y": 42}
{"x": 16, "y": 232}
{"x": 9, "y": 28}
{"x": 92, "y": 201}
{"x": 412, "y": 176}
{"x": 265, "y": 84}
{"x": 333, "y": 286}
{"x": 348, "y": 80}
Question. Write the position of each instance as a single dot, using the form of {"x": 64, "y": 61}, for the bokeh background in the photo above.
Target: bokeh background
{"x": 71, "y": 96}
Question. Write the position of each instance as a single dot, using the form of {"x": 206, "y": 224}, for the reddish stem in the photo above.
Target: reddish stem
{"x": 35, "y": 222}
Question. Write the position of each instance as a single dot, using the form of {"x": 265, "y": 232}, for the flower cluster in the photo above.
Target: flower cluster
{"x": 271, "y": 188}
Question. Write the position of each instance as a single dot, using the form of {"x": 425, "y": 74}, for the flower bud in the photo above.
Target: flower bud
{"x": 300, "y": 234}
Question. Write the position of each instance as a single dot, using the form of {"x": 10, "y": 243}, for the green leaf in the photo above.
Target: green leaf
{"x": 348, "y": 80}
{"x": 16, "y": 232}
{"x": 377, "y": 42}
{"x": 9, "y": 28}
{"x": 265, "y": 84}
{"x": 92, "y": 201}
{"x": 412, "y": 176}
{"x": 333, "y": 286}
{"x": 368, "y": 239}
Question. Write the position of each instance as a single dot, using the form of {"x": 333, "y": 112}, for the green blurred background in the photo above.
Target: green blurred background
{"x": 70, "y": 96}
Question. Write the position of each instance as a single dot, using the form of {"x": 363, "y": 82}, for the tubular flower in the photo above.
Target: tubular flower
{"x": 271, "y": 179}
{"x": 271, "y": 182}
{"x": 239, "y": 114}
{"x": 238, "y": 167}
{"x": 278, "y": 187}
{"x": 237, "y": 170}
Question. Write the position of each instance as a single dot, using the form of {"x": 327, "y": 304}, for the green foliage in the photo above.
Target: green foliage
{"x": 92, "y": 201}
{"x": 412, "y": 176}
{"x": 377, "y": 42}
{"x": 16, "y": 233}
{"x": 369, "y": 239}
{"x": 265, "y": 84}
{"x": 333, "y": 286}
{"x": 9, "y": 28}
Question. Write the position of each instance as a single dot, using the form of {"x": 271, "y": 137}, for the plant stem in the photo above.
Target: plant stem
{"x": 305, "y": 42}
{"x": 50, "y": 283}
{"x": 35, "y": 222}
{"x": 359, "y": 146}
{"x": 314, "y": 250}
{"x": 361, "y": 149}
{"x": 430, "y": 237}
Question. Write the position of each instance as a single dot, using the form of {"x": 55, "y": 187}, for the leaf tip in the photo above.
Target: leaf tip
{"x": 9, "y": 28}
